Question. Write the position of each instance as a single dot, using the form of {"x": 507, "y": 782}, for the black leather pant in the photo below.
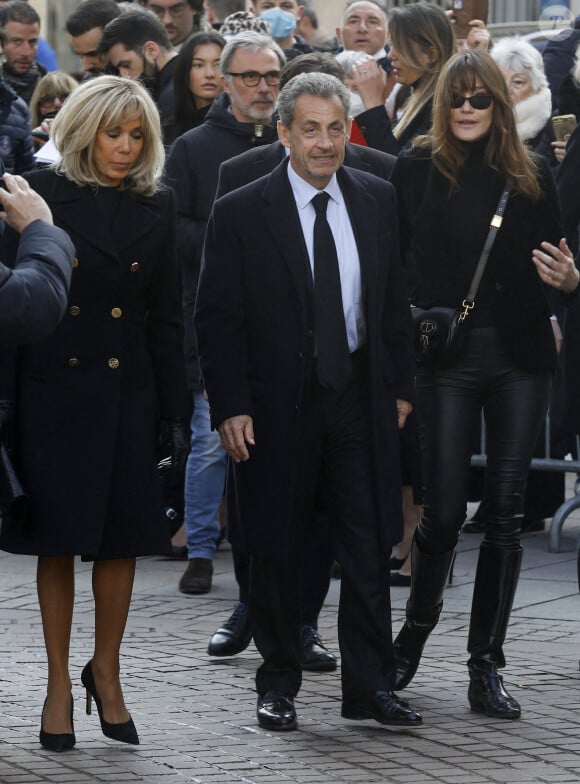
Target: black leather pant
{"x": 449, "y": 405}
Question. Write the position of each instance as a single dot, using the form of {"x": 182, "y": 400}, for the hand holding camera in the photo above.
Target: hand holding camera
{"x": 21, "y": 206}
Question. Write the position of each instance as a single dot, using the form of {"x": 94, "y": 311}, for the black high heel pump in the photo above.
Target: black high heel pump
{"x": 124, "y": 732}
{"x": 58, "y": 741}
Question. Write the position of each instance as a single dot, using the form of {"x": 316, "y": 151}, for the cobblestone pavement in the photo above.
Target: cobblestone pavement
{"x": 196, "y": 715}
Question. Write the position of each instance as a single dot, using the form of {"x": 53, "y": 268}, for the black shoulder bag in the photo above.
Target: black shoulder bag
{"x": 440, "y": 331}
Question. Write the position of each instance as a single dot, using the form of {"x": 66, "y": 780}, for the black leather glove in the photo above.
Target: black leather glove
{"x": 176, "y": 432}
{"x": 6, "y": 413}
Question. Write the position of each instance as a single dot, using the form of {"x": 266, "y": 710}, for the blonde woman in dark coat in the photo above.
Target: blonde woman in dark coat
{"x": 90, "y": 397}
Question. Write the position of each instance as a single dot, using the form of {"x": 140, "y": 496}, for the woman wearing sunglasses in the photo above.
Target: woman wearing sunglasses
{"x": 448, "y": 188}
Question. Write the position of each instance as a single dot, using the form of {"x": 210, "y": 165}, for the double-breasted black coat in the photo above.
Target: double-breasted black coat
{"x": 255, "y": 335}
{"x": 89, "y": 397}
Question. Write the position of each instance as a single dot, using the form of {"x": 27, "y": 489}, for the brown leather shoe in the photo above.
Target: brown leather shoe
{"x": 197, "y": 576}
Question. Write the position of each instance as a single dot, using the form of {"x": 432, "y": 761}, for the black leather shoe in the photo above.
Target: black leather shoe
{"x": 396, "y": 563}
{"x": 487, "y": 694}
{"x": 234, "y": 636}
{"x": 400, "y": 580}
{"x": 385, "y": 707}
{"x": 314, "y": 656}
{"x": 276, "y": 712}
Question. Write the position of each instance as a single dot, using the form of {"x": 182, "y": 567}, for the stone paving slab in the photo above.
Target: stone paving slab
{"x": 196, "y": 715}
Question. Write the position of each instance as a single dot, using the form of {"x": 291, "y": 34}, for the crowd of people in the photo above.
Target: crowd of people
{"x": 244, "y": 208}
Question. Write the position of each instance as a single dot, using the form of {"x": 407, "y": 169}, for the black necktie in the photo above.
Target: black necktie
{"x": 333, "y": 358}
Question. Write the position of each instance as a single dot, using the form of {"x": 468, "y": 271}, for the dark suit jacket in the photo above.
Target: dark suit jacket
{"x": 255, "y": 337}
{"x": 250, "y": 165}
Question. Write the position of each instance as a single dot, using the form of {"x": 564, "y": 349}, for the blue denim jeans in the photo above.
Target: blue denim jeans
{"x": 205, "y": 475}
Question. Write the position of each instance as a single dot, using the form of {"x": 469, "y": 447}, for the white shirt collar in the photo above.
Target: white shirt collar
{"x": 304, "y": 192}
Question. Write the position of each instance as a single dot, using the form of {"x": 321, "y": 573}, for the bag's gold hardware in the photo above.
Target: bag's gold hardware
{"x": 468, "y": 304}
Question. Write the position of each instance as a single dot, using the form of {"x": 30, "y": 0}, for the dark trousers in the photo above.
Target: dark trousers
{"x": 335, "y": 453}
{"x": 449, "y": 405}
{"x": 316, "y": 569}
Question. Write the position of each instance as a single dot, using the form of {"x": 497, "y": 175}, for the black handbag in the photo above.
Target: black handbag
{"x": 440, "y": 333}
{"x": 438, "y": 336}
{"x": 13, "y": 499}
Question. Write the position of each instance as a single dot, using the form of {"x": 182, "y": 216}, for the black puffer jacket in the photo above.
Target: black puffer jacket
{"x": 16, "y": 148}
{"x": 192, "y": 171}
{"x": 33, "y": 295}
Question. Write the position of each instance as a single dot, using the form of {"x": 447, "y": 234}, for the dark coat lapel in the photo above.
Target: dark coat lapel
{"x": 81, "y": 221}
{"x": 282, "y": 221}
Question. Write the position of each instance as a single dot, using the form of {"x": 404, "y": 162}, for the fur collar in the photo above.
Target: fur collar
{"x": 533, "y": 113}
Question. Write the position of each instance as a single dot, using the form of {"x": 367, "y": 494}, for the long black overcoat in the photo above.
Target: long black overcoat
{"x": 255, "y": 338}
{"x": 89, "y": 397}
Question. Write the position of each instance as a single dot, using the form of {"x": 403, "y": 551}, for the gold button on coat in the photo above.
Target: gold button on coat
{"x": 116, "y": 313}
{"x": 73, "y": 362}
{"x": 134, "y": 266}
{"x": 113, "y": 363}
{"x": 75, "y": 263}
{"x": 74, "y": 310}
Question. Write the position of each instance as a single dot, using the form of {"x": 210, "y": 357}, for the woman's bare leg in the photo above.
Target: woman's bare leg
{"x": 112, "y": 589}
{"x": 55, "y": 586}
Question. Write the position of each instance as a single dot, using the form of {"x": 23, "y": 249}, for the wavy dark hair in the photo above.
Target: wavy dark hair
{"x": 185, "y": 108}
{"x": 504, "y": 152}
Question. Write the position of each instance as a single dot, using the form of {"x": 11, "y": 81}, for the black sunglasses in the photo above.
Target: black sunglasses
{"x": 477, "y": 101}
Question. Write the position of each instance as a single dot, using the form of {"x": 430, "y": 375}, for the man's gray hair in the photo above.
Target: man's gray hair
{"x": 380, "y": 6}
{"x": 319, "y": 85}
{"x": 254, "y": 42}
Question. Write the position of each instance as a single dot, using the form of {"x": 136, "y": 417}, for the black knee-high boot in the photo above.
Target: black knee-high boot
{"x": 428, "y": 577}
{"x": 496, "y": 581}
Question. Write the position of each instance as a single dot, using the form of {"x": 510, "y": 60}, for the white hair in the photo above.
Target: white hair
{"x": 520, "y": 56}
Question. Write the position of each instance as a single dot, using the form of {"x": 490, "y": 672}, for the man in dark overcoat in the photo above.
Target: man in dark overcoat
{"x": 308, "y": 377}
{"x": 233, "y": 173}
